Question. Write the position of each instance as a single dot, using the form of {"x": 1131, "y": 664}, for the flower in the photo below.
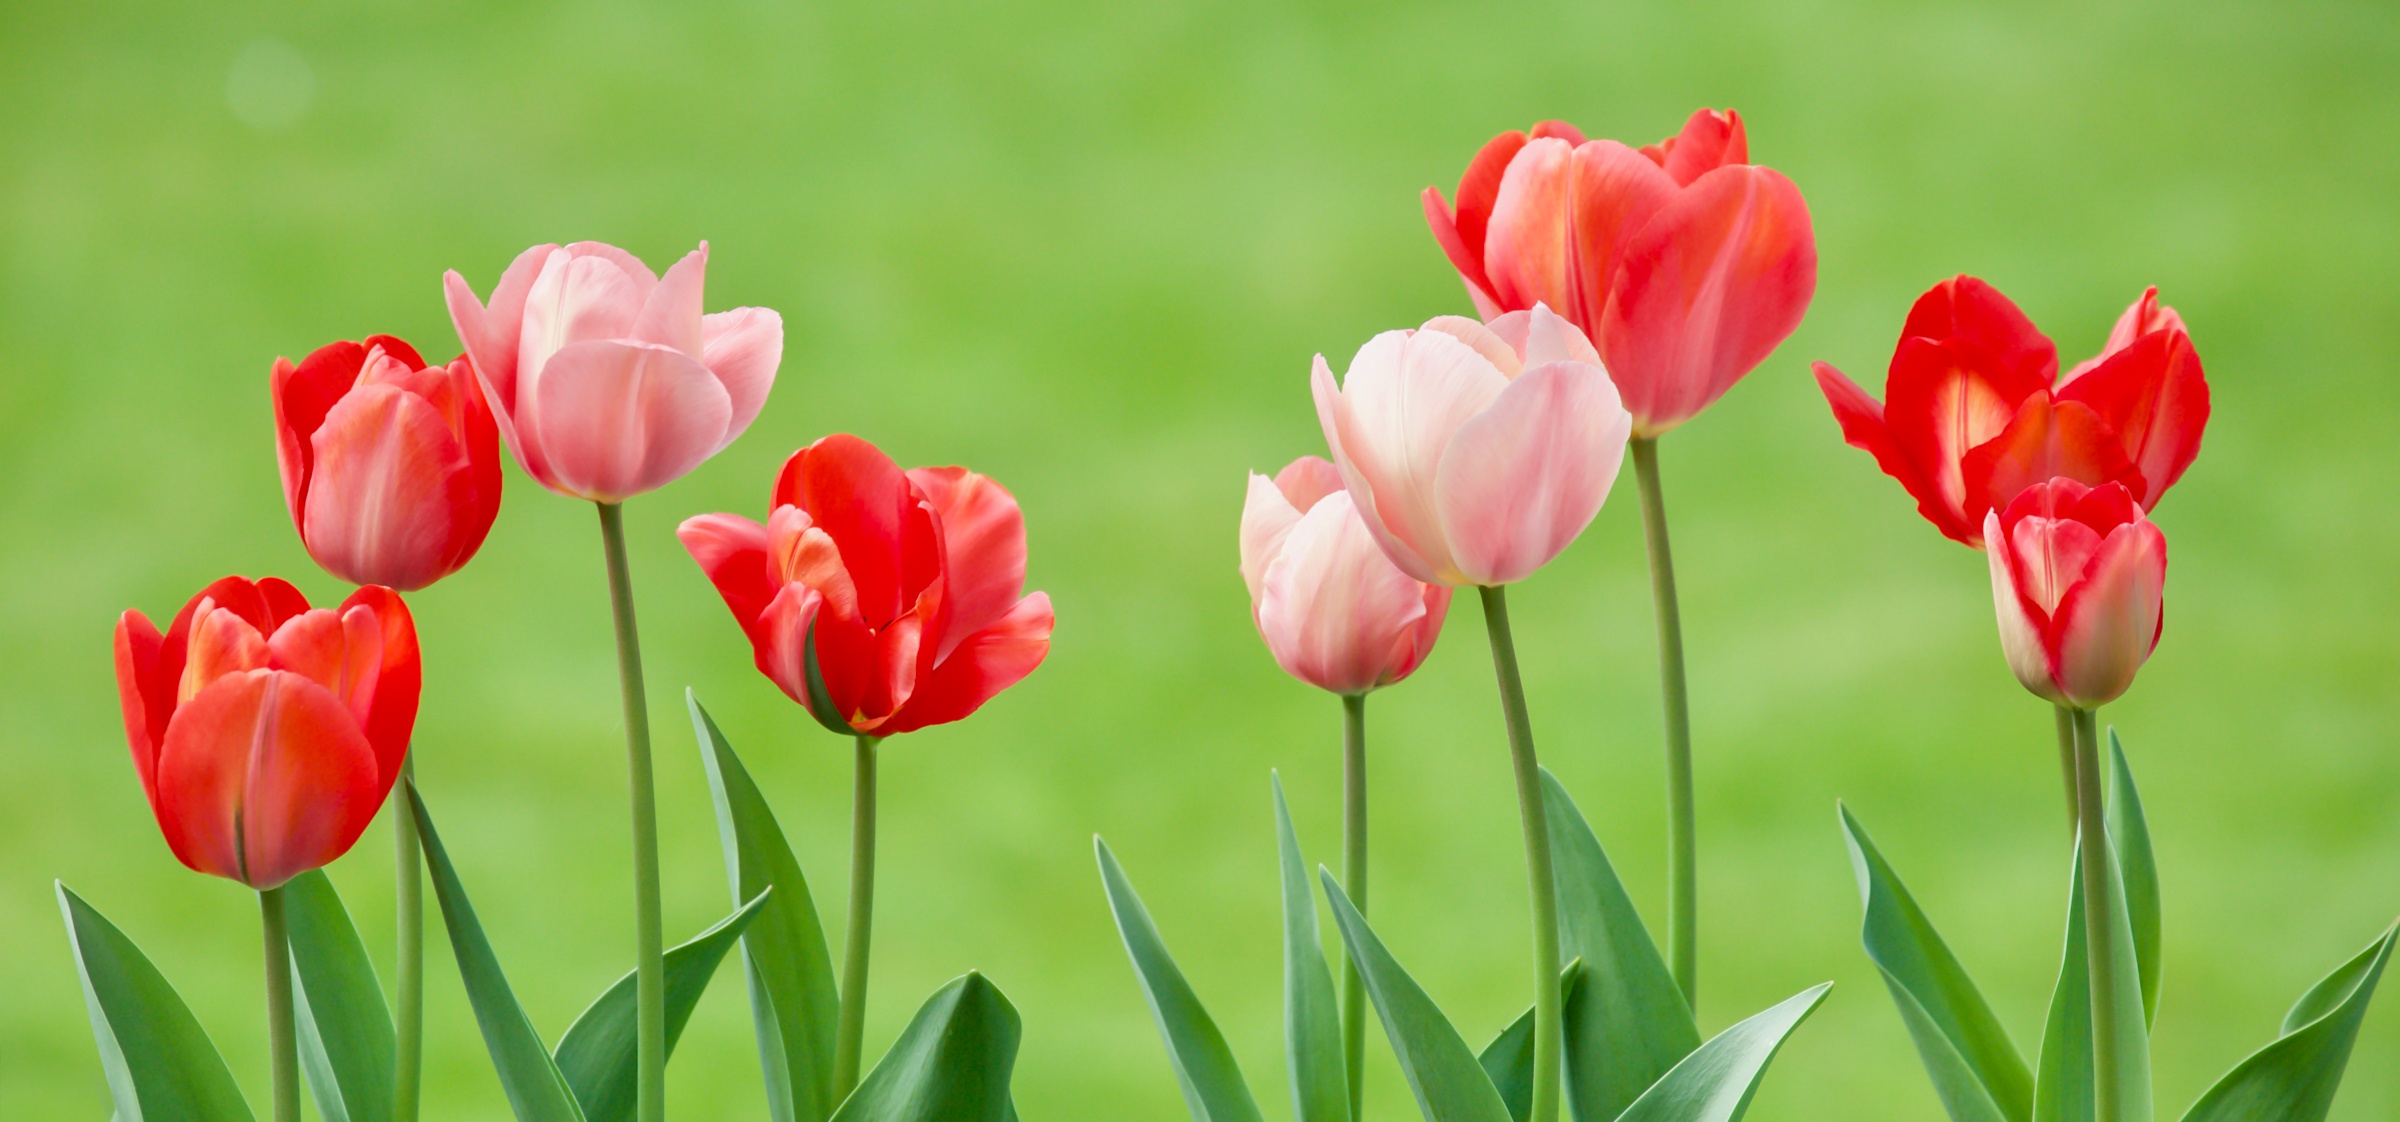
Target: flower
{"x": 1684, "y": 263}
{"x": 2077, "y": 574}
{"x": 391, "y": 468}
{"x": 1335, "y": 612}
{"x": 1475, "y": 453}
{"x": 908, "y": 581}
{"x": 1974, "y": 412}
{"x": 606, "y": 379}
{"x": 266, "y": 732}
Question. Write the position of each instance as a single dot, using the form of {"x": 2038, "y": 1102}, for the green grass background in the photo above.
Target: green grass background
{"x": 1088, "y": 248}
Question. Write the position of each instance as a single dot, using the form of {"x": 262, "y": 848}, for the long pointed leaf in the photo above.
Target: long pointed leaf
{"x": 951, "y": 1064}
{"x": 2133, "y": 1030}
{"x": 1312, "y": 1023}
{"x": 2129, "y": 834}
{"x": 2063, "y": 1087}
{"x": 160, "y": 1064}
{"x": 346, "y": 1036}
{"x": 536, "y": 1091}
{"x": 1976, "y": 1070}
{"x": 1449, "y": 1082}
{"x": 1716, "y": 1082}
{"x": 1212, "y": 1083}
{"x": 2293, "y": 1079}
{"x": 599, "y": 1055}
{"x": 793, "y": 1002}
{"x": 1508, "y": 1060}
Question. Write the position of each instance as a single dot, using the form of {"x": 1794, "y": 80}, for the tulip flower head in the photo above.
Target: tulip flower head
{"x": 1684, "y": 263}
{"x": 2077, "y": 577}
{"x": 1974, "y": 411}
{"x": 606, "y": 379}
{"x": 909, "y": 583}
{"x": 266, "y": 733}
{"x": 1475, "y": 453}
{"x": 391, "y": 468}
{"x": 1334, "y": 610}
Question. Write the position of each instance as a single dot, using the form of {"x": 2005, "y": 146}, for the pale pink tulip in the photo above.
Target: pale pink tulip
{"x": 606, "y": 379}
{"x": 1335, "y": 612}
{"x": 2077, "y": 576}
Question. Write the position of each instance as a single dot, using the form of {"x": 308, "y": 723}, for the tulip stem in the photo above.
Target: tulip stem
{"x": 1546, "y": 998}
{"x": 1354, "y": 881}
{"x": 2099, "y": 924}
{"x": 2066, "y": 766}
{"x": 409, "y": 904}
{"x": 850, "y": 1027}
{"x": 282, "y": 1044}
{"x": 650, "y": 982}
{"x": 1683, "y": 871}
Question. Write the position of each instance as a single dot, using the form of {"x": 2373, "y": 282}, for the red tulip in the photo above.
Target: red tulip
{"x": 1684, "y": 263}
{"x": 910, "y": 580}
{"x": 391, "y": 468}
{"x": 1974, "y": 411}
{"x": 2077, "y": 574}
{"x": 267, "y": 732}
{"x": 1334, "y": 610}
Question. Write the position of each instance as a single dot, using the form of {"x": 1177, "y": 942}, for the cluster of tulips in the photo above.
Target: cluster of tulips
{"x": 1619, "y": 291}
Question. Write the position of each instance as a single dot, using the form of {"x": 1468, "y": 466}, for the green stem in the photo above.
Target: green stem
{"x": 2066, "y": 764}
{"x": 1544, "y": 890}
{"x": 1683, "y": 872}
{"x": 650, "y": 984}
{"x": 1354, "y": 881}
{"x": 283, "y": 1045}
{"x": 409, "y": 903}
{"x": 852, "y": 1023}
{"x": 2099, "y": 923}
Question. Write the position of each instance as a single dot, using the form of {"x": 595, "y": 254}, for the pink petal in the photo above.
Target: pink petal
{"x": 2021, "y": 628}
{"x": 989, "y": 661}
{"x": 490, "y": 333}
{"x": 1335, "y": 612}
{"x": 2050, "y": 556}
{"x": 378, "y": 508}
{"x": 615, "y": 419}
{"x": 573, "y": 300}
{"x": 1267, "y": 519}
{"x": 1525, "y": 476}
{"x": 983, "y": 542}
{"x": 1308, "y": 479}
{"x": 743, "y": 348}
{"x": 643, "y": 279}
{"x": 1501, "y": 342}
{"x": 670, "y": 315}
{"x": 1525, "y": 251}
{"x": 1549, "y": 338}
{"x": 2109, "y": 623}
{"x": 1407, "y": 395}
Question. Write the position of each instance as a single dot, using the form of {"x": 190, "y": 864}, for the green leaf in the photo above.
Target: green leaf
{"x": 793, "y": 1002}
{"x": 1449, "y": 1082}
{"x": 346, "y": 1038}
{"x": 820, "y": 703}
{"x": 951, "y": 1064}
{"x": 536, "y": 1091}
{"x": 1312, "y": 1023}
{"x": 1976, "y": 1070}
{"x": 2129, "y": 835}
{"x": 1212, "y": 1083}
{"x": 599, "y": 1055}
{"x": 160, "y": 1064}
{"x": 1508, "y": 1060}
{"x": 1627, "y": 1023}
{"x": 2293, "y": 1079}
{"x": 1715, "y": 1083}
{"x": 2063, "y": 1087}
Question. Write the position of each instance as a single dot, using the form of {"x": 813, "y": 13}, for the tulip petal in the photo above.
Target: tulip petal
{"x": 1863, "y": 427}
{"x": 989, "y": 661}
{"x": 1616, "y": 192}
{"x": 490, "y": 332}
{"x": 1336, "y": 612}
{"x": 2153, "y": 394}
{"x": 1524, "y": 477}
{"x": 1943, "y": 400}
{"x": 670, "y": 314}
{"x": 303, "y": 395}
{"x": 743, "y": 347}
{"x": 1501, "y": 342}
{"x": 732, "y": 553}
{"x": 1709, "y": 140}
{"x": 863, "y": 499}
{"x": 1470, "y": 270}
{"x": 1268, "y": 516}
{"x": 639, "y": 274}
{"x": 574, "y": 300}
{"x": 341, "y": 651}
{"x": 983, "y": 543}
{"x": 2139, "y": 318}
{"x": 2021, "y": 630}
{"x": 1967, "y": 311}
{"x": 1307, "y": 480}
{"x": 2050, "y": 556}
{"x": 2108, "y": 624}
{"x": 1406, "y": 397}
{"x": 379, "y": 507}
{"x": 616, "y": 419}
{"x": 146, "y": 705}
{"x": 263, "y": 776}
{"x": 2044, "y": 441}
{"x": 798, "y": 551}
{"x": 1525, "y": 248}
{"x": 222, "y": 643}
{"x": 1462, "y": 236}
{"x": 392, "y": 719}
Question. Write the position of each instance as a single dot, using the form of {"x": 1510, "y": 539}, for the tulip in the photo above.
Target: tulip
{"x": 1335, "y": 612}
{"x": 605, "y": 379}
{"x": 391, "y": 467}
{"x": 2077, "y": 573}
{"x": 1975, "y": 412}
{"x": 1684, "y": 263}
{"x": 266, "y": 732}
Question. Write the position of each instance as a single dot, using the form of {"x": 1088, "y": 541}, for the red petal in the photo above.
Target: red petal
{"x": 276, "y": 757}
{"x": 1616, "y": 191}
{"x": 859, "y": 496}
{"x": 393, "y": 717}
{"x": 1559, "y": 129}
{"x": 398, "y": 348}
{"x": 1944, "y": 399}
{"x": 1709, "y": 140}
{"x": 1478, "y": 190}
{"x": 2153, "y": 394}
{"x": 989, "y": 661}
{"x": 732, "y": 552}
{"x": 1527, "y": 249}
{"x": 147, "y": 700}
{"x": 983, "y": 541}
{"x": 1966, "y": 311}
{"x": 1861, "y": 418}
{"x": 2044, "y": 441}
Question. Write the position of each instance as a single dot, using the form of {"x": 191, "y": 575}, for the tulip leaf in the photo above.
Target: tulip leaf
{"x": 161, "y": 1065}
{"x": 599, "y": 1055}
{"x": 345, "y": 1029}
{"x": 1449, "y": 1082}
{"x": 1312, "y": 1023}
{"x": 2063, "y": 1087}
{"x": 2129, "y": 835}
{"x": 951, "y": 1064}
{"x": 793, "y": 1002}
{"x": 1508, "y": 1060}
{"x": 820, "y": 701}
{"x": 536, "y": 1091}
{"x": 2293, "y": 1079}
{"x": 1976, "y": 1070}
{"x": 1627, "y": 1022}
{"x": 1715, "y": 1083}
{"x": 1212, "y": 1083}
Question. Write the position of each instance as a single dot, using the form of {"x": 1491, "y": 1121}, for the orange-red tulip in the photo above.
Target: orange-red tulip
{"x": 2077, "y": 577}
{"x": 391, "y": 468}
{"x": 266, "y": 732}
{"x": 1334, "y": 610}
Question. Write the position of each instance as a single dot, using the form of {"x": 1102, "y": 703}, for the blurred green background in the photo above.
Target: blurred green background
{"x": 1088, "y": 248}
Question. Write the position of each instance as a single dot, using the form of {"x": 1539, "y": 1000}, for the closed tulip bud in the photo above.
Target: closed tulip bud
{"x": 1334, "y": 610}
{"x": 606, "y": 379}
{"x": 391, "y": 468}
{"x": 1475, "y": 453}
{"x": 265, "y": 732}
{"x": 2077, "y": 577}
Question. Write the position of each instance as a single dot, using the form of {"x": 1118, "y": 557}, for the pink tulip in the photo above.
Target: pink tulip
{"x": 2077, "y": 574}
{"x": 1475, "y": 453}
{"x": 605, "y": 378}
{"x": 1335, "y": 612}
